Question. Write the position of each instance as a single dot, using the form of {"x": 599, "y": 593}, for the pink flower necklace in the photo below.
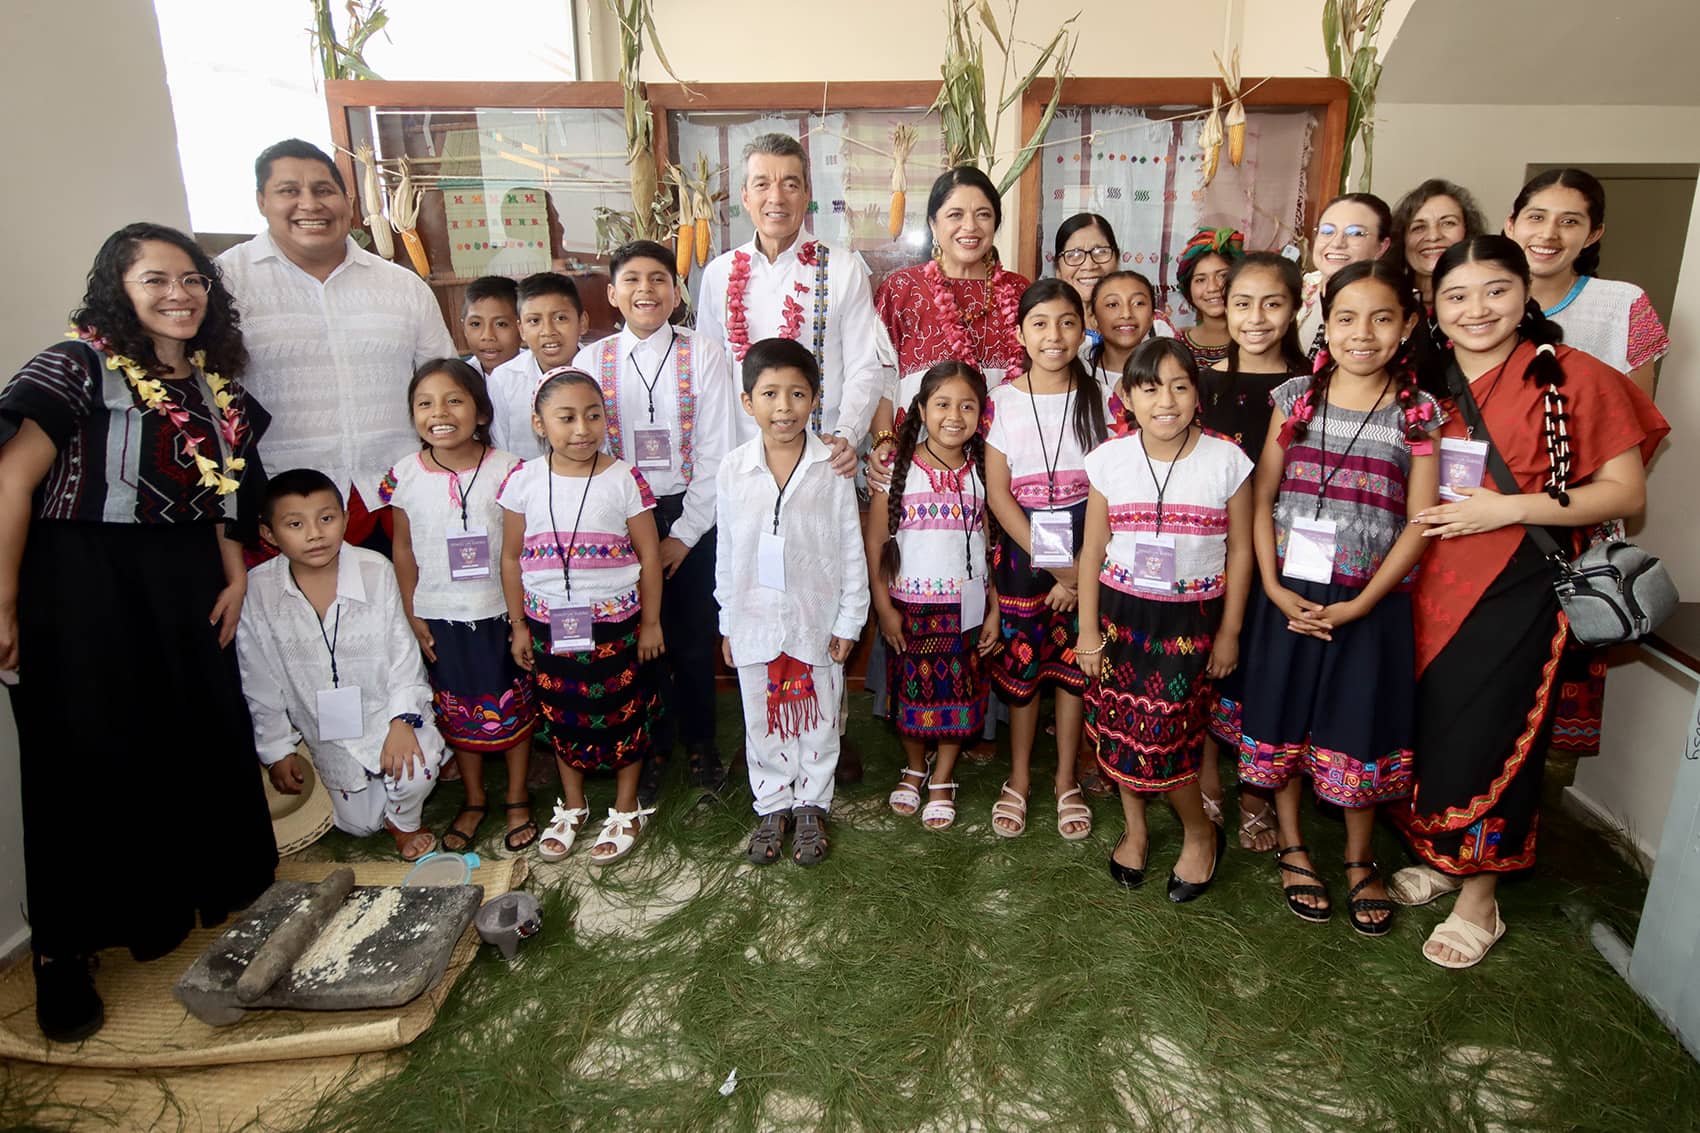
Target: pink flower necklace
{"x": 791, "y": 311}
{"x": 1002, "y": 298}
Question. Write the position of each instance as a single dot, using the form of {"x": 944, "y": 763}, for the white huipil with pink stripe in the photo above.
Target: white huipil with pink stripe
{"x": 942, "y": 530}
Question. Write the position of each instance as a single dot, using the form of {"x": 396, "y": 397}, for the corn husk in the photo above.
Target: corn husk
{"x": 1210, "y": 136}
{"x": 902, "y": 142}
{"x": 1235, "y": 120}
{"x": 406, "y": 219}
{"x": 372, "y": 202}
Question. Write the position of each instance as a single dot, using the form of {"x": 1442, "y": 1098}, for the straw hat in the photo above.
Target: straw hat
{"x": 299, "y": 820}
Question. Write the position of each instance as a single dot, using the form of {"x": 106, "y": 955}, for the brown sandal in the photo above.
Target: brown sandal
{"x": 768, "y": 838}
{"x": 809, "y": 843}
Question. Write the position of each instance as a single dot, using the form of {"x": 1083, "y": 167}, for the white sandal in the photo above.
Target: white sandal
{"x": 1068, "y": 812}
{"x": 908, "y": 794}
{"x": 562, "y": 828}
{"x": 939, "y": 814}
{"x": 1015, "y": 812}
{"x": 615, "y": 834}
{"x": 1418, "y": 885}
{"x": 1465, "y": 937}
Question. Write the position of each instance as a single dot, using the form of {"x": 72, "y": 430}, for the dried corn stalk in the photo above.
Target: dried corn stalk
{"x": 1235, "y": 120}
{"x": 902, "y": 141}
{"x": 1349, "y": 28}
{"x": 372, "y": 202}
{"x": 405, "y": 219}
{"x": 637, "y": 19}
{"x": 1210, "y": 136}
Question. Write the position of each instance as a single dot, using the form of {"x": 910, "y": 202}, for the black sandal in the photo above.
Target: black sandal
{"x": 809, "y": 842}
{"x": 1356, "y": 905}
{"x": 1293, "y": 892}
{"x": 768, "y": 838}
{"x": 526, "y": 831}
{"x": 463, "y": 842}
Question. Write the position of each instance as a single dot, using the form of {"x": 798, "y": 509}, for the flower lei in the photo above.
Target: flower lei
{"x": 737, "y": 323}
{"x": 1003, "y": 298}
{"x": 153, "y": 395}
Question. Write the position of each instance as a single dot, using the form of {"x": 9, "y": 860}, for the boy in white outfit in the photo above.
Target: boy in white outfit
{"x": 327, "y": 655}
{"x": 792, "y": 583}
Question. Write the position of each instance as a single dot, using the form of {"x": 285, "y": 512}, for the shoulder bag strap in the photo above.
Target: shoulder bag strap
{"x": 1497, "y": 468}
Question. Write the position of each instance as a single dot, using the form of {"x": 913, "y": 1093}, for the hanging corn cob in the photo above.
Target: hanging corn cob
{"x": 902, "y": 141}
{"x": 684, "y": 238}
{"x": 372, "y": 202}
{"x": 406, "y": 219}
{"x": 1236, "y": 109}
{"x": 702, "y": 207}
{"x": 1210, "y": 136}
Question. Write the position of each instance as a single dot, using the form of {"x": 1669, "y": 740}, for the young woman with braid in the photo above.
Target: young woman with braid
{"x": 1576, "y": 437}
{"x": 929, "y": 573}
{"x": 1348, "y": 465}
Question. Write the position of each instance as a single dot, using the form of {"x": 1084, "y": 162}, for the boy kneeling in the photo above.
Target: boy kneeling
{"x": 328, "y": 657}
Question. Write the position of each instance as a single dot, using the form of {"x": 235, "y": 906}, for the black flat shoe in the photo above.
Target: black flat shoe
{"x": 1181, "y": 892}
{"x": 67, "y": 1006}
{"x": 1356, "y": 905}
{"x": 649, "y": 780}
{"x": 708, "y": 773}
{"x": 1126, "y": 876}
{"x": 1304, "y": 912}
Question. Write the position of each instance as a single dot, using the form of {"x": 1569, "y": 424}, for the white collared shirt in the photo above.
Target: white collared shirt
{"x": 432, "y": 498}
{"x": 852, "y": 379}
{"x": 284, "y": 651}
{"x": 643, "y": 361}
{"x": 331, "y": 361}
{"x": 513, "y": 388}
{"x": 826, "y": 569}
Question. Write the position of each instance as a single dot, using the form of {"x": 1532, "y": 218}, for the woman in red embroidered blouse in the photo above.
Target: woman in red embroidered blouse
{"x": 1488, "y": 628}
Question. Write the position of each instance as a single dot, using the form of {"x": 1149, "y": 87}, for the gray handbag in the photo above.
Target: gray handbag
{"x": 1614, "y": 591}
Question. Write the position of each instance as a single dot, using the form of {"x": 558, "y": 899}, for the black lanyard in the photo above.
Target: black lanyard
{"x": 1327, "y": 477}
{"x": 1163, "y": 488}
{"x": 336, "y": 627}
{"x": 966, "y": 472}
{"x": 554, "y": 528}
{"x": 1052, "y": 462}
{"x": 649, "y": 384}
{"x": 466, "y": 493}
{"x": 789, "y": 476}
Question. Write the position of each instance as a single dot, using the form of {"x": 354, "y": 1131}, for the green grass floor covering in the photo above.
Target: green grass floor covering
{"x": 959, "y": 981}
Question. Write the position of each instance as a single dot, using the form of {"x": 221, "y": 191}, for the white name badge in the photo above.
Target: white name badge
{"x": 1053, "y": 538}
{"x": 340, "y": 717}
{"x": 973, "y": 603}
{"x": 770, "y": 561}
{"x": 1310, "y": 550}
{"x": 570, "y": 629}
{"x": 1461, "y": 465}
{"x": 469, "y": 554}
{"x": 653, "y": 449}
{"x": 1154, "y": 562}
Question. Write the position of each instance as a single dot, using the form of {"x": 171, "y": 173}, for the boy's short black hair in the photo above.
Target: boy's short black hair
{"x": 493, "y": 287}
{"x": 780, "y": 354}
{"x": 642, "y": 250}
{"x": 295, "y": 482}
{"x": 548, "y": 283}
{"x": 293, "y": 147}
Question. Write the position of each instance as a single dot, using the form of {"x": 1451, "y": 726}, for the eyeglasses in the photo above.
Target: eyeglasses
{"x": 1351, "y": 231}
{"x": 1102, "y": 254}
{"x": 159, "y": 285}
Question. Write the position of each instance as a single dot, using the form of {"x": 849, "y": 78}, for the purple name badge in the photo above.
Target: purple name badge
{"x": 1053, "y": 539}
{"x": 1461, "y": 466}
{"x": 1154, "y": 562}
{"x": 570, "y": 629}
{"x": 469, "y": 555}
{"x": 653, "y": 448}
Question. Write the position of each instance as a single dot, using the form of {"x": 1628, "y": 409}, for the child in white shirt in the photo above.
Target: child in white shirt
{"x": 328, "y": 657}
{"x": 792, "y": 584}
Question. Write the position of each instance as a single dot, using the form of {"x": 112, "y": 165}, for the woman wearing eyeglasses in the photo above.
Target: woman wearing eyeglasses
{"x": 1353, "y": 227}
{"x": 123, "y": 454}
{"x": 1085, "y": 252}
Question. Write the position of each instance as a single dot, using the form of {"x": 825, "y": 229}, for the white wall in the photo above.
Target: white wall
{"x": 101, "y": 152}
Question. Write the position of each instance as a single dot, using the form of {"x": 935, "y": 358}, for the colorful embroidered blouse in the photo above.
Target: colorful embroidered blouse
{"x": 942, "y": 531}
{"x": 601, "y": 561}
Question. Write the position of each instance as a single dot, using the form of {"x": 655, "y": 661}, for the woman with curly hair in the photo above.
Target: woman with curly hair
{"x": 124, "y": 454}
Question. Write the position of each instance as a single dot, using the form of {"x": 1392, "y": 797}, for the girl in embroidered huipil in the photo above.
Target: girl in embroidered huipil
{"x": 1123, "y": 304}
{"x": 1168, "y": 520}
{"x": 127, "y": 459}
{"x": 929, "y": 574}
{"x": 1263, "y": 351}
{"x": 1043, "y": 425}
{"x": 448, "y": 551}
{"x": 1331, "y": 691}
{"x": 581, "y": 567}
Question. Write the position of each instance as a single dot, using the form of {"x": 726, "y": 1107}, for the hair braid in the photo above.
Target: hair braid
{"x": 891, "y": 556}
{"x": 975, "y": 449}
{"x": 1305, "y": 407}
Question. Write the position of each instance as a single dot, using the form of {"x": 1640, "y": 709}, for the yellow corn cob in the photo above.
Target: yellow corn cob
{"x": 896, "y": 225}
{"x": 683, "y": 245}
{"x": 703, "y": 236}
{"x": 902, "y": 141}
{"x": 1236, "y": 133}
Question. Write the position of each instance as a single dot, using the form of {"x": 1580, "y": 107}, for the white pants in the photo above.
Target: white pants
{"x": 787, "y": 773}
{"x": 401, "y": 801}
